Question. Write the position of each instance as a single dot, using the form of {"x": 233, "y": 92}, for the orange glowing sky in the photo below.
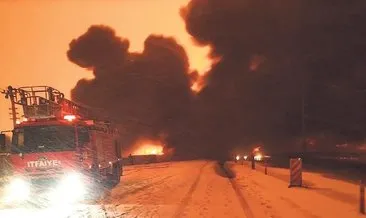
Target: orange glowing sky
{"x": 35, "y": 36}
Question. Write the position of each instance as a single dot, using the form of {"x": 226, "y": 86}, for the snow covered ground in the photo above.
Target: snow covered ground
{"x": 179, "y": 189}
{"x": 176, "y": 189}
{"x": 269, "y": 195}
{"x": 201, "y": 189}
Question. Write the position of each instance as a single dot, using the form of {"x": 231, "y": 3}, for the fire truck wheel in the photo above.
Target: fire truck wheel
{"x": 117, "y": 174}
{"x": 115, "y": 177}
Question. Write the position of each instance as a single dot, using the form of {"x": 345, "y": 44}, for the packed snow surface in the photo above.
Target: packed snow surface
{"x": 203, "y": 189}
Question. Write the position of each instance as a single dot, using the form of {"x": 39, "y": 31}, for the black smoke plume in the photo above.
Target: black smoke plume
{"x": 147, "y": 93}
{"x": 273, "y": 55}
{"x": 277, "y": 61}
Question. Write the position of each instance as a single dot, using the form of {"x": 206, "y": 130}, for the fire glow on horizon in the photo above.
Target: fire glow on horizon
{"x": 149, "y": 148}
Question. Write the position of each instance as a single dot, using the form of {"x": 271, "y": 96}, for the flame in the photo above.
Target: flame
{"x": 199, "y": 76}
{"x": 149, "y": 148}
{"x": 197, "y": 83}
{"x": 196, "y": 87}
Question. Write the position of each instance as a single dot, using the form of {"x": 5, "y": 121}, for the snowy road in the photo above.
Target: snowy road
{"x": 202, "y": 189}
{"x": 175, "y": 189}
{"x": 180, "y": 189}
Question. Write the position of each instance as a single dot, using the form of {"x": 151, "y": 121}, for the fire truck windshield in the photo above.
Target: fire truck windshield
{"x": 48, "y": 138}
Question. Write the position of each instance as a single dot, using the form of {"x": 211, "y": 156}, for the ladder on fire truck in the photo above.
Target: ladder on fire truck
{"x": 42, "y": 102}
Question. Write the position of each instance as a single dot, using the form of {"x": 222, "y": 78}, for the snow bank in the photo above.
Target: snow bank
{"x": 322, "y": 183}
{"x": 270, "y": 194}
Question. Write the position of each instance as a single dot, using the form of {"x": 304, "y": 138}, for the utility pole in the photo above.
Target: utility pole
{"x": 303, "y": 116}
{"x": 9, "y": 93}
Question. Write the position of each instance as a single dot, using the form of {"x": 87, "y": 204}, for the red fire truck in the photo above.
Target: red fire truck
{"x": 60, "y": 144}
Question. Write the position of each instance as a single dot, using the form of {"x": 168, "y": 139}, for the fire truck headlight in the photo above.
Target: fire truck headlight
{"x": 17, "y": 190}
{"x": 70, "y": 189}
{"x": 72, "y": 179}
{"x": 73, "y": 184}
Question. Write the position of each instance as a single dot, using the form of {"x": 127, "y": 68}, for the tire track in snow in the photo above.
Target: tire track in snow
{"x": 243, "y": 202}
{"x": 125, "y": 194}
{"x": 111, "y": 209}
{"x": 294, "y": 205}
{"x": 144, "y": 187}
{"x": 188, "y": 195}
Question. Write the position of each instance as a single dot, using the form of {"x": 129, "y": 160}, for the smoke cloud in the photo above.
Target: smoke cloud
{"x": 269, "y": 57}
{"x": 147, "y": 93}
{"x": 273, "y": 55}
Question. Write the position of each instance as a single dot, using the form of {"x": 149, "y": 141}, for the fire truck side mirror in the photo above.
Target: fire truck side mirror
{"x": 2, "y": 141}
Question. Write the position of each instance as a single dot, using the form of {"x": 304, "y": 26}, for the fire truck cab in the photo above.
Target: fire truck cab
{"x": 61, "y": 144}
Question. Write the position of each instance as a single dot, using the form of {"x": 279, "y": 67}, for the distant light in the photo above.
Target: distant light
{"x": 18, "y": 122}
{"x": 69, "y": 117}
{"x": 89, "y": 122}
{"x": 237, "y": 157}
{"x": 245, "y": 157}
{"x": 258, "y": 157}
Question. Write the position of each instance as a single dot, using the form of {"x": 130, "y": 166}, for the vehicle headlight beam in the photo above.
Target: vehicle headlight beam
{"x": 70, "y": 189}
{"x": 16, "y": 191}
